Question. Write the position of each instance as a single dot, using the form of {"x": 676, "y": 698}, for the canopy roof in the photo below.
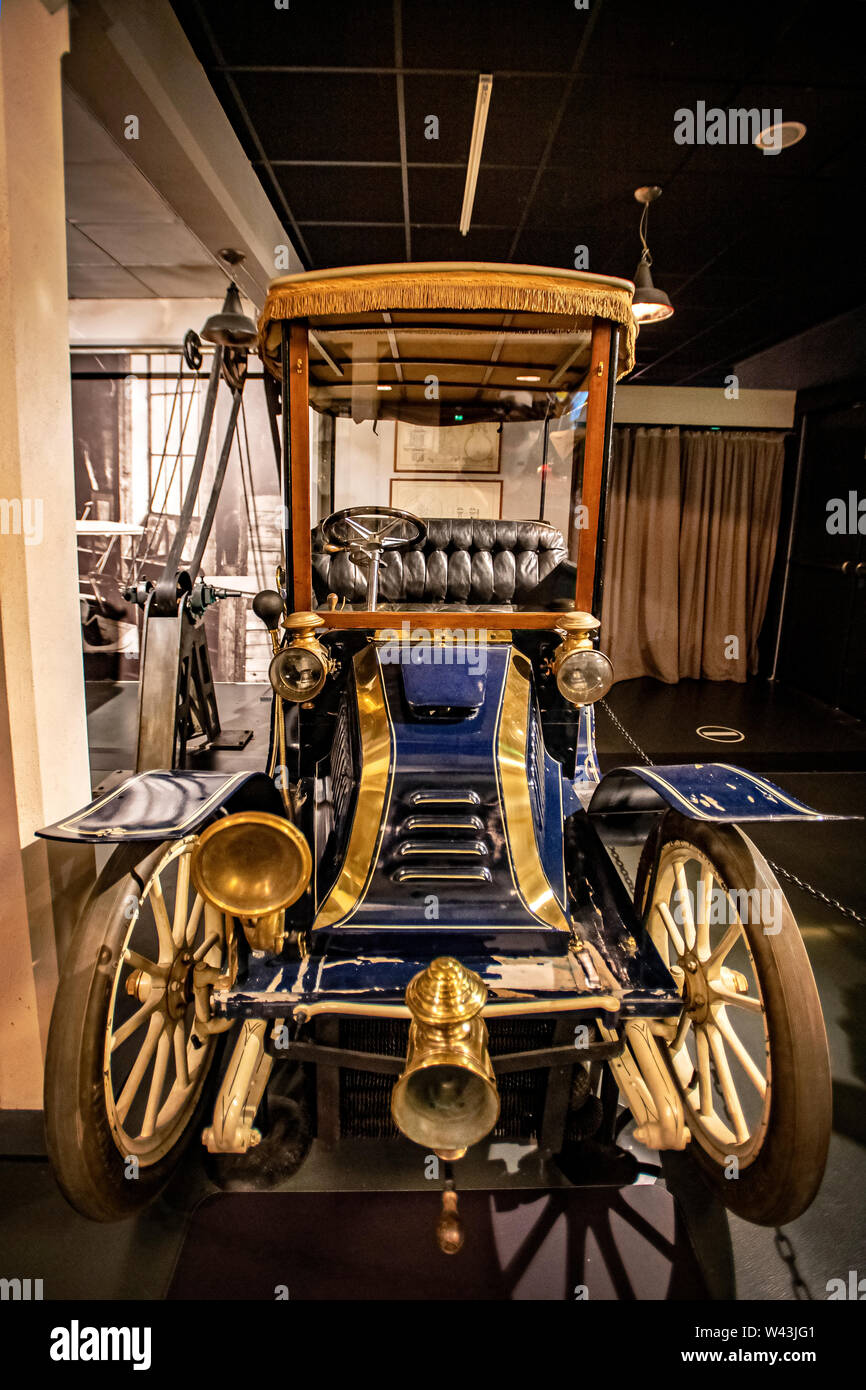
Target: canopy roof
{"x": 488, "y": 333}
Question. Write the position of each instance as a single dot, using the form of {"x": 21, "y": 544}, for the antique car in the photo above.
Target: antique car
{"x": 414, "y": 910}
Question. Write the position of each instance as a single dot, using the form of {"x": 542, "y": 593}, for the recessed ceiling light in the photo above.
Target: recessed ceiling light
{"x": 780, "y": 136}
{"x": 528, "y": 378}
{"x": 383, "y": 388}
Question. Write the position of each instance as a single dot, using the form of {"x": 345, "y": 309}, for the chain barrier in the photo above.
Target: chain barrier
{"x": 625, "y": 733}
{"x": 626, "y": 876}
{"x": 777, "y": 869}
{"x": 785, "y": 1251}
{"x": 816, "y": 893}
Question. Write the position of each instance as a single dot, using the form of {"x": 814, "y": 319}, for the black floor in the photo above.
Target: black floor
{"x": 821, "y": 758}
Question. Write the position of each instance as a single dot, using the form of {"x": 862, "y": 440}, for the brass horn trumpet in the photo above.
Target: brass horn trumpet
{"x": 446, "y": 1098}
{"x": 253, "y": 865}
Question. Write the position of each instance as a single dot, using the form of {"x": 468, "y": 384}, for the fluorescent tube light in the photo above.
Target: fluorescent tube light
{"x": 482, "y": 104}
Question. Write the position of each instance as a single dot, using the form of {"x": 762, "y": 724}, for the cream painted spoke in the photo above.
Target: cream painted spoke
{"x": 704, "y": 905}
{"x": 127, "y": 1029}
{"x": 194, "y": 919}
{"x": 163, "y": 926}
{"x": 181, "y": 902}
{"x": 725, "y": 946}
{"x": 753, "y": 1072}
{"x": 739, "y": 1001}
{"x": 157, "y": 1082}
{"x": 139, "y": 1066}
{"x": 685, "y": 904}
{"x": 148, "y": 967}
{"x": 683, "y": 1027}
{"x": 726, "y": 1083}
{"x": 705, "y": 1080}
{"x": 213, "y": 922}
{"x": 180, "y": 1062}
{"x": 672, "y": 929}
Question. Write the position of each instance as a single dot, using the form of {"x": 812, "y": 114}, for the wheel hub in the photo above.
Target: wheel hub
{"x": 178, "y": 992}
{"x": 696, "y": 987}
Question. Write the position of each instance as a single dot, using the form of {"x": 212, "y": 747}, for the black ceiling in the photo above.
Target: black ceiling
{"x": 329, "y": 99}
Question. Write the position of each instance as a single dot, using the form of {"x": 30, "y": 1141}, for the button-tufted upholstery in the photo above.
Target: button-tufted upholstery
{"x": 463, "y": 561}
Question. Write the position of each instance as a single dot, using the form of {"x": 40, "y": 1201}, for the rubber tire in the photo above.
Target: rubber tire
{"x": 87, "y": 1164}
{"x": 784, "y": 1177}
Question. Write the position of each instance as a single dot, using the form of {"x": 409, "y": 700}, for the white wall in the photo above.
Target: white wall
{"x": 702, "y": 405}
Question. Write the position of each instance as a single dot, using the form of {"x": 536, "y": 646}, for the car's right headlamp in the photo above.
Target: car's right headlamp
{"x": 583, "y": 674}
{"x": 299, "y": 671}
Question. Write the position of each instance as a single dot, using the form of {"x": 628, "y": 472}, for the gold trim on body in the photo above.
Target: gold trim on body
{"x": 527, "y": 871}
{"x": 376, "y": 783}
{"x": 374, "y": 793}
{"x": 602, "y": 1003}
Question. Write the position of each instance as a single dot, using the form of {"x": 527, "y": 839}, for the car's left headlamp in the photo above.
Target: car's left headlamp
{"x": 299, "y": 671}
{"x": 583, "y": 674}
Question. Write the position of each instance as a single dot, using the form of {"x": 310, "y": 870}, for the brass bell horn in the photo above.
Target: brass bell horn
{"x": 253, "y": 865}
{"x": 446, "y": 1099}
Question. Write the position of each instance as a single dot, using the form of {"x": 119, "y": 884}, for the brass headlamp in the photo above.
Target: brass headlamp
{"x": 583, "y": 674}
{"x": 253, "y": 865}
{"x": 446, "y": 1099}
{"x": 299, "y": 671}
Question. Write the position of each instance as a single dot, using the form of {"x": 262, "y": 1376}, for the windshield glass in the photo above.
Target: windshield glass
{"x": 477, "y": 419}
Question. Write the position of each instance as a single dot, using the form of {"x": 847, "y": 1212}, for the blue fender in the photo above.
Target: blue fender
{"x": 165, "y": 805}
{"x": 702, "y": 791}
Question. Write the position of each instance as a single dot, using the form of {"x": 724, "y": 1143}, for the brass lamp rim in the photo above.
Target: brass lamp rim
{"x": 266, "y": 820}
{"x": 283, "y": 687}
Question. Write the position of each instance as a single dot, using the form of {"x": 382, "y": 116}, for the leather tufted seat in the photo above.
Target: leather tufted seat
{"x": 463, "y": 562}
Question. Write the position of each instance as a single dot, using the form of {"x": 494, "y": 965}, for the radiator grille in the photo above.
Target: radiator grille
{"x": 342, "y": 779}
{"x": 365, "y": 1097}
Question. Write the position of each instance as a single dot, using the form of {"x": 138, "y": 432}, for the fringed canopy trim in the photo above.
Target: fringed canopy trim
{"x": 447, "y": 285}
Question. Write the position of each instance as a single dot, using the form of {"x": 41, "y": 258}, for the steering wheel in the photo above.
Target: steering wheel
{"x": 369, "y": 532}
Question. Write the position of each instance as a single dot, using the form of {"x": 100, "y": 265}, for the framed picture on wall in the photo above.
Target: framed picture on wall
{"x": 448, "y": 449}
{"x": 468, "y": 497}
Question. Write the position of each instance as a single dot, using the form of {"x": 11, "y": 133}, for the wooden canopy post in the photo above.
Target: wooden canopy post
{"x": 599, "y": 409}
{"x": 299, "y": 462}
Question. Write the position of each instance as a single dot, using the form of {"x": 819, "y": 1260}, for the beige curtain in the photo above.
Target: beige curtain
{"x": 691, "y": 535}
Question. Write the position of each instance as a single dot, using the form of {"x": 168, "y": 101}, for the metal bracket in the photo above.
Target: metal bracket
{"x": 241, "y": 1092}
{"x": 648, "y": 1089}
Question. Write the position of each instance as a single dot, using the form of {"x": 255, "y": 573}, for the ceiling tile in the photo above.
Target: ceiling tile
{"x": 112, "y": 193}
{"x": 80, "y": 250}
{"x": 435, "y": 244}
{"x": 148, "y": 243}
{"x": 486, "y": 35}
{"x": 105, "y": 282}
{"x": 452, "y": 101}
{"x": 304, "y": 32}
{"x": 183, "y": 281}
{"x": 355, "y": 245}
{"x": 323, "y": 116}
{"x": 85, "y": 141}
{"x": 324, "y": 193}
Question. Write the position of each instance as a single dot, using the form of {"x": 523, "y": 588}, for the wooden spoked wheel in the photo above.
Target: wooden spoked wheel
{"x": 719, "y": 1049}
{"x": 749, "y": 1052}
{"x": 127, "y": 1058}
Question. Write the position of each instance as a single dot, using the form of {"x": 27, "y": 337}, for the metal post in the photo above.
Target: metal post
{"x": 210, "y": 512}
{"x": 166, "y": 588}
{"x": 801, "y": 453}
